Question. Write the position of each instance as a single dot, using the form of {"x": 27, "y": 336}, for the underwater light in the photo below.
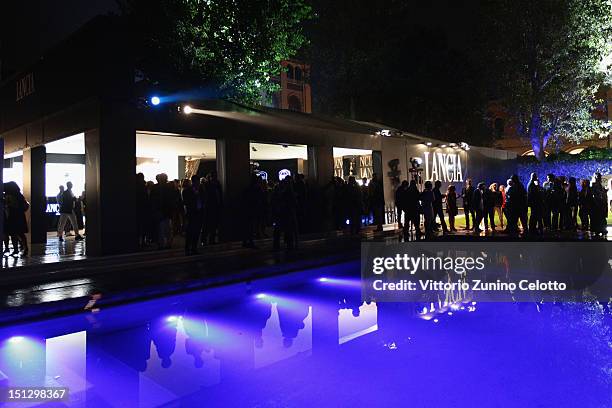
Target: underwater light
{"x": 155, "y": 100}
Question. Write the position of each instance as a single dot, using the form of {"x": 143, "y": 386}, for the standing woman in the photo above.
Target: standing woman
{"x": 498, "y": 202}
{"x": 16, "y": 223}
{"x": 451, "y": 206}
{"x": 502, "y": 192}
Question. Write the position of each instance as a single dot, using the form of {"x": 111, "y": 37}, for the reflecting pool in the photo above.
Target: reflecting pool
{"x": 307, "y": 340}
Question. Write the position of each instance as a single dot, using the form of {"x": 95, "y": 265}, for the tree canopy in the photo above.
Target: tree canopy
{"x": 545, "y": 58}
{"x": 232, "y": 46}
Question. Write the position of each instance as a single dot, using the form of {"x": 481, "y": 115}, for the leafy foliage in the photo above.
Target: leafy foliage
{"x": 546, "y": 56}
{"x": 232, "y": 46}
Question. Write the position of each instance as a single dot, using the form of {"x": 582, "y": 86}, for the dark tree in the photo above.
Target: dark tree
{"x": 231, "y": 46}
{"x": 546, "y": 58}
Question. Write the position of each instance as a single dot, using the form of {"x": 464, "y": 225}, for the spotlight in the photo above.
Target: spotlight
{"x": 443, "y": 146}
{"x": 187, "y": 109}
{"x": 15, "y": 339}
{"x": 428, "y": 144}
{"x": 261, "y": 296}
{"x": 155, "y": 100}
{"x": 323, "y": 279}
{"x": 171, "y": 319}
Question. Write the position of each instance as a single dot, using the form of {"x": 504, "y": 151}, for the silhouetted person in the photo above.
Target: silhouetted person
{"x": 67, "y": 207}
{"x": 400, "y": 202}
{"x": 467, "y": 193}
{"x": 412, "y": 209}
{"x": 377, "y": 201}
{"x": 16, "y": 223}
{"x": 438, "y": 205}
{"x": 585, "y": 204}
{"x": 365, "y": 200}
{"x": 427, "y": 198}
{"x": 489, "y": 208}
{"x": 478, "y": 201}
{"x": 599, "y": 211}
{"x": 556, "y": 203}
{"x": 547, "y": 190}
{"x": 498, "y": 202}
{"x": 163, "y": 202}
{"x": 519, "y": 201}
{"x": 451, "y": 206}
{"x": 535, "y": 201}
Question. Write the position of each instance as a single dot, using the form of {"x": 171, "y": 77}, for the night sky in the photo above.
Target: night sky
{"x": 29, "y": 28}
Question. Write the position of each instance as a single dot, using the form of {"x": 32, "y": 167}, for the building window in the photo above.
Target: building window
{"x": 294, "y": 103}
{"x": 289, "y": 71}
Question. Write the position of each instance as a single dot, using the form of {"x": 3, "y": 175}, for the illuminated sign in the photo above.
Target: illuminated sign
{"x": 445, "y": 167}
{"x": 365, "y": 166}
{"x": 53, "y": 208}
{"x": 283, "y": 174}
{"x": 24, "y": 87}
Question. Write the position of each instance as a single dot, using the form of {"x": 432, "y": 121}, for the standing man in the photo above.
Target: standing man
{"x": 536, "y": 204}
{"x": 377, "y": 201}
{"x": 67, "y": 205}
{"x": 478, "y": 201}
{"x": 467, "y": 193}
{"x": 437, "y": 206}
{"x": 547, "y": 192}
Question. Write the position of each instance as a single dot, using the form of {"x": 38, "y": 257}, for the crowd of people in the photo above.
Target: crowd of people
{"x": 194, "y": 207}
{"x": 554, "y": 205}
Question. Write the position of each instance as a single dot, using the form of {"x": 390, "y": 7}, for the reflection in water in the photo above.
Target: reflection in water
{"x": 310, "y": 345}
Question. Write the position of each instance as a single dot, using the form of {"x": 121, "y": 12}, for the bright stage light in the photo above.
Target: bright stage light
{"x": 187, "y": 109}
{"x": 155, "y": 101}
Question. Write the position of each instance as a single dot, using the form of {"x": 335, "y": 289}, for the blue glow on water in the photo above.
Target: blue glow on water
{"x": 314, "y": 341}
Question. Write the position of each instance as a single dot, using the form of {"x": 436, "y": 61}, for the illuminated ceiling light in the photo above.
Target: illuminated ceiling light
{"x": 443, "y": 145}
{"x": 155, "y": 100}
{"x": 187, "y": 109}
{"x": 428, "y": 143}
